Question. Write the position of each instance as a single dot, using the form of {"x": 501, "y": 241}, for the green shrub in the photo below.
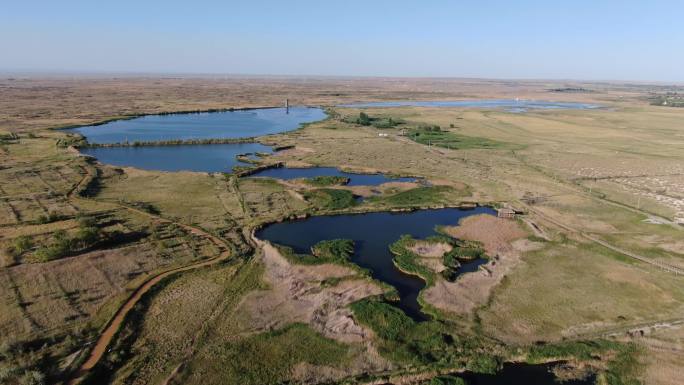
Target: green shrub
{"x": 433, "y": 135}
{"x": 326, "y": 180}
{"x": 405, "y": 341}
{"x": 331, "y": 199}
{"x": 335, "y": 250}
{"x": 483, "y": 364}
{"x": 22, "y": 244}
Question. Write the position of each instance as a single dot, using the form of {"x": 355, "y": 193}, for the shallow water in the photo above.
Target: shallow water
{"x": 286, "y": 173}
{"x": 521, "y": 374}
{"x": 510, "y": 105}
{"x": 194, "y": 157}
{"x": 203, "y": 125}
{"x": 372, "y": 234}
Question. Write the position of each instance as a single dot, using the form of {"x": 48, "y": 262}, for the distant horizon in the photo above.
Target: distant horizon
{"x": 39, "y": 73}
{"x": 609, "y": 40}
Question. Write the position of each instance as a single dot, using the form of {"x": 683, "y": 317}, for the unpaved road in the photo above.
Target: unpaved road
{"x": 107, "y": 335}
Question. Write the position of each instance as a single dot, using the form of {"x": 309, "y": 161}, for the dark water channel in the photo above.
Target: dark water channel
{"x": 286, "y": 173}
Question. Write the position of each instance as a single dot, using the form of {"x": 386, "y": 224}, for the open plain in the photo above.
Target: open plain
{"x": 590, "y": 272}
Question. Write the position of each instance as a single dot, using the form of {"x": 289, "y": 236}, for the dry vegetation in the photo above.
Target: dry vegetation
{"x": 613, "y": 173}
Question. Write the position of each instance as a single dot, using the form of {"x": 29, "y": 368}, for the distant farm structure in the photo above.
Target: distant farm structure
{"x": 506, "y": 213}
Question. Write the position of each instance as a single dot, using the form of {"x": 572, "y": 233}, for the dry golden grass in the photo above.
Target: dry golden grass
{"x": 575, "y": 289}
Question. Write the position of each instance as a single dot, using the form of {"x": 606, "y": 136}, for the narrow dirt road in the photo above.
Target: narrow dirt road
{"x": 107, "y": 335}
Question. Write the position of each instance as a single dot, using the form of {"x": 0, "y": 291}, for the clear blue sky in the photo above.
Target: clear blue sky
{"x": 580, "y": 39}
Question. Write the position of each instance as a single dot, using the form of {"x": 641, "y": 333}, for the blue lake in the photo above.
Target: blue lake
{"x": 354, "y": 179}
{"x": 511, "y": 105}
{"x": 373, "y": 233}
{"x": 193, "y": 157}
{"x": 203, "y": 125}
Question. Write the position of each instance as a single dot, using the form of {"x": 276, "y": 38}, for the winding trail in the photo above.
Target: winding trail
{"x": 107, "y": 335}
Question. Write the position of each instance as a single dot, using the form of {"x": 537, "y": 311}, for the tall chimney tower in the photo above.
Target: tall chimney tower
{"x": 287, "y": 106}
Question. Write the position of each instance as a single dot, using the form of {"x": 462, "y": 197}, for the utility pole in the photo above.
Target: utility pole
{"x": 287, "y": 106}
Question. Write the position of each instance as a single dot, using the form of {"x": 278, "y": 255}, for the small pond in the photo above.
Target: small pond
{"x": 521, "y": 374}
{"x": 202, "y": 125}
{"x": 511, "y": 105}
{"x": 193, "y": 157}
{"x": 372, "y": 234}
{"x": 286, "y": 173}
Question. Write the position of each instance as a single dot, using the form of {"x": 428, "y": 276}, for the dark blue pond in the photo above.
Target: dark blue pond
{"x": 354, "y": 179}
{"x": 372, "y": 234}
{"x": 511, "y": 105}
{"x": 521, "y": 374}
{"x": 195, "y": 157}
{"x": 203, "y": 125}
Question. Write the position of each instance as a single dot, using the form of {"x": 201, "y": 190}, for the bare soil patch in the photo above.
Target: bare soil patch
{"x": 299, "y": 293}
{"x": 494, "y": 233}
{"x": 473, "y": 289}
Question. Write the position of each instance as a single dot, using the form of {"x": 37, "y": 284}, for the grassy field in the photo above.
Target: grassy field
{"x": 602, "y": 172}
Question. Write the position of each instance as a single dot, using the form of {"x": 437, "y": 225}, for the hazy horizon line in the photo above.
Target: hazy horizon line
{"x": 160, "y": 74}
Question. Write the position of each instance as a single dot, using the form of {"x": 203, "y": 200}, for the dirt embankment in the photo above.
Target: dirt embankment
{"x": 431, "y": 254}
{"x": 502, "y": 241}
{"x": 317, "y": 295}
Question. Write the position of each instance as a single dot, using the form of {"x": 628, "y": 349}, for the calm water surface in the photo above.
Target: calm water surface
{"x": 203, "y": 125}
{"x": 372, "y": 234}
{"x": 521, "y": 374}
{"x": 511, "y": 105}
{"x": 194, "y": 157}
{"x": 354, "y": 179}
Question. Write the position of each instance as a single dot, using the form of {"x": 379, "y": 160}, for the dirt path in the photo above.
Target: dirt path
{"x": 107, "y": 335}
{"x": 673, "y": 269}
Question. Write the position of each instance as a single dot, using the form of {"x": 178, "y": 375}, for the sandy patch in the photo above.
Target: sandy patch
{"x": 430, "y": 249}
{"x": 472, "y": 290}
{"x": 358, "y": 169}
{"x": 297, "y": 164}
{"x": 296, "y": 294}
{"x": 494, "y": 233}
{"x": 445, "y": 182}
{"x": 294, "y": 152}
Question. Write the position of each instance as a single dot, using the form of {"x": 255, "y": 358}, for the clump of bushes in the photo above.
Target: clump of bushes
{"x": 328, "y": 251}
{"x": 334, "y": 250}
{"x": 406, "y": 341}
{"x": 327, "y": 180}
{"x": 378, "y": 122}
{"x": 76, "y": 140}
{"x": 63, "y": 244}
{"x": 330, "y": 199}
{"x": 49, "y": 218}
{"x": 433, "y": 135}
{"x": 407, "y": 261}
